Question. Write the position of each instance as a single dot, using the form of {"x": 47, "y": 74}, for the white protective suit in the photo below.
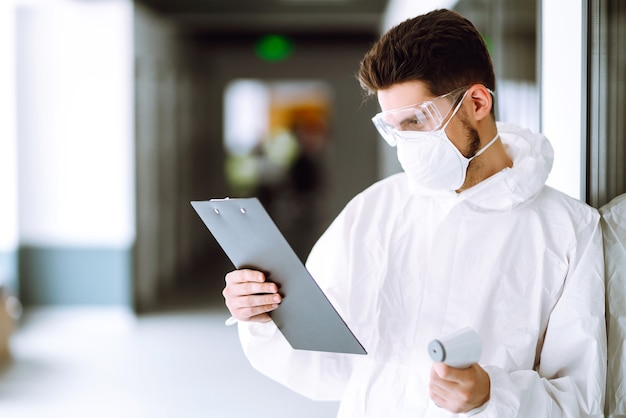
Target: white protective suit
{"x": 614, "y": 234}
{"x": 518, "y": 261}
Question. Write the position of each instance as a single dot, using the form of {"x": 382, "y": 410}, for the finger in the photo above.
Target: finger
{"x": 460, "y": 389}
{"x": 442, "y": 370}
{"x": 251, "y": 301}
{"x": 244, "y": 275}
{"x": 439, "y": 386}
{"x": 249, "y": 288}
{"x": 254, "y": 313}
{"x": 444, "y": 397}
{"x": 449, "y": 373}
{"x": 440, "y": 396}
{"x": 247, "y": 282}
{"x": 246, "y": 307}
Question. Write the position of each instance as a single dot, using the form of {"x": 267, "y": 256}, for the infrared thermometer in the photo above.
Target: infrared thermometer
{"x": 459, "y": 350}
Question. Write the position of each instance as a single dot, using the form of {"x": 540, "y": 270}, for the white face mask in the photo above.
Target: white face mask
{"x": 431, "y": 160}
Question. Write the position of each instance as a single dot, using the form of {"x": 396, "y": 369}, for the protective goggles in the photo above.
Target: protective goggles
{"x": 424, "y": 117}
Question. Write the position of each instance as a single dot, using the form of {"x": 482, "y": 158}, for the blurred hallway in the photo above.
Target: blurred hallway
{"x": 105, "y": 362}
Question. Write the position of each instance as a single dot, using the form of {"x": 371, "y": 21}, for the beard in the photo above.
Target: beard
{"x": 473, "y": 144}
{"x": 474, "y": 140}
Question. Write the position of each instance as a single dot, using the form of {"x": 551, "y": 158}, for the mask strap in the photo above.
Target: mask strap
{"x": 456, "y": 109}
{"x": 483, "y": 149}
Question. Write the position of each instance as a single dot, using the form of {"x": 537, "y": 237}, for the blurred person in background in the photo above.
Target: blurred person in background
{"x": 307, "y": 181}
{"x": 468, "y": 235}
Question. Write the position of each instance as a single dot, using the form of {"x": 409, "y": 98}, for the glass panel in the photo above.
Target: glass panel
{"x": 510, "y": 31}
{"x": 606, "y": 100}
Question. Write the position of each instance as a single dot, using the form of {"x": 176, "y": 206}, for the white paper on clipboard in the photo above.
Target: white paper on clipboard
{"x": 250, "y": 239}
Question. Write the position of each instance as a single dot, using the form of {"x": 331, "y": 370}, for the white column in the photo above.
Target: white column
{"x": 561, "y": 91}
{"x": 76, "y": 129}
{"x": 76, "y": 149}
{"x": 8, "y": 154}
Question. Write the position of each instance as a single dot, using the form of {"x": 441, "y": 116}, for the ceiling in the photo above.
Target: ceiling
{"x": 336, "y": 19}
{"x": 287, "y": 16}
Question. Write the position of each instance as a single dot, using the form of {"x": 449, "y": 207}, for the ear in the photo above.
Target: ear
{"x": 481, "y": 101}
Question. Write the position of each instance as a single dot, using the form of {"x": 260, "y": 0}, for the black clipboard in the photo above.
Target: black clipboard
{"x": 250, "y": 239}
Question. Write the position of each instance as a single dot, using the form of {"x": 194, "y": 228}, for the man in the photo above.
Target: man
{"x": 467, "y": 236}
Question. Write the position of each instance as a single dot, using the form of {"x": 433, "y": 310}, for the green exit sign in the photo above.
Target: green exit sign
{"x": 274, "y": 47}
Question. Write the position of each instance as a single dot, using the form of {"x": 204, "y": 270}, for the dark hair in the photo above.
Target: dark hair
{"x": 441, "y": 49}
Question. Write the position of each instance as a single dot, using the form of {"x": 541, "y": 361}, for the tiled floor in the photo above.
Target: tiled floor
{"x": 91, "y": 363}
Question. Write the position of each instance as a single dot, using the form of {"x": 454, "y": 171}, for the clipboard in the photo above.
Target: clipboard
{"x": 250, "y": 239}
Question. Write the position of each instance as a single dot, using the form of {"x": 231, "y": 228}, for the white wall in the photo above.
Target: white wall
{"x": 8, "y": 154}
{"x": 76, "y": 123}
{"x": 561, "y": 91}
{"x": 75, "y": 129}
{"x": 8, "y": 192}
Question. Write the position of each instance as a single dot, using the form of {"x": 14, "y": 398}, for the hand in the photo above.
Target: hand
{"x": 459, "y": 390}
{"x": 249, "y": 297}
